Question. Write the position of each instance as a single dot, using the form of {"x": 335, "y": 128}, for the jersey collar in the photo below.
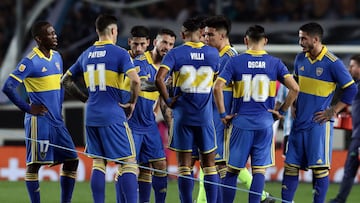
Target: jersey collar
{"x": 194, "y": 44}
{"x": 41, "y": 55}
{"x": 319, "y": 57}
{"x": 256, "y": 52}
{"x": 97, "y": 43}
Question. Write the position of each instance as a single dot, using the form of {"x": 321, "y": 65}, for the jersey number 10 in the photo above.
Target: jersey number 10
{"x": 256, "y": 87}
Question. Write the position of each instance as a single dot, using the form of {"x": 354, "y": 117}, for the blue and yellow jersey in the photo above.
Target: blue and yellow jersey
{"x": 143, "y": 115}
{"x": 225, "y": 54}
{"x": 103, "y": 66}
{"x": 192, "y": 66}
{"x": 254, "y": 74}
{"x": 41, "y": 77}
{"x": 317, "y": 81}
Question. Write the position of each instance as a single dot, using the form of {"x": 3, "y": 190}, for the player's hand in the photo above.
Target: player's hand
{"x": 128, "y": 109}
{"x": 227, "y": 119}
{"x": 38, "y": 109}
{"x": 276, "y": 115}
{"x": 324, "y": 116}
{"x": 170, "y": 102}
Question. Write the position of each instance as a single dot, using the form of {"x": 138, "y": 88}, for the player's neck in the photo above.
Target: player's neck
{"x": 156, "y": 57}
{"x": 314, "y": 53}
{"x": 45, "y": 51}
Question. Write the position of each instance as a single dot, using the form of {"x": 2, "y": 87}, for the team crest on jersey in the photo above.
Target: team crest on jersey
{"x": 319, "y": 71}
{"x": 57, "y": 64}
{"x": 137, "y": 68}
{"x": 43, "y": 69}
{"x": 22, "y": 68}
{"x": 302, "y": 68}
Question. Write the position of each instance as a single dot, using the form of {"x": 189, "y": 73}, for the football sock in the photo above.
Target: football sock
{"x": 185, "y": 184}
{"x": 321, "y": 185}
{"x": 211, "y": 175}
{"x": 229, "y": 193}
{"x": 67, "y": 183}
{"x": 33, "y": 187}
{"x": 144, "y": 181}
{"x": 119, "y": 196}
{"x": 246, "y": 178}
{"x": 289, "y": 183}
{"x": 97, "y": 182}
{"x": 159, "y": 183}
{"x": 257, "y": 187}
{"x": 129, "y": 183}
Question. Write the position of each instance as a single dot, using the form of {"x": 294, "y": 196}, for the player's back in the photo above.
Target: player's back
{"x": 192, "y": 66}
{"x": 254, "y": 74}
{"x": 104, "y": 66}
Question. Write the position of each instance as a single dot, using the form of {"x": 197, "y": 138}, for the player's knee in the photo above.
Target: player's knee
{"x": 99, "y": 164}
{"x": 258, "y": 171}
{"x": 291, "y": 170}
{"x": 184, "y": 170}
{"x": 211, "y": 170}
{"x": 33, "y": 168}
{"x": 145, "y": 176}
{"x": 129, "y": 168}
{"x": 160, "y": 167}
{"x": 321, "y": 172}
{"x": 71, "y": 165}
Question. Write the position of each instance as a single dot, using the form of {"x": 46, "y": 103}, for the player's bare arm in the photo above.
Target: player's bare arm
{"x": 219, "y": 101}
{"x": 293, "y": 87}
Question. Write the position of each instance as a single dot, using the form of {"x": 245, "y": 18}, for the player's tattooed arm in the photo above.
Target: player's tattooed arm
{"x": 73, "y": 89}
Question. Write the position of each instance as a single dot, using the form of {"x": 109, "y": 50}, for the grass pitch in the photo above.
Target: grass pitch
{"x": 14, "y": 192}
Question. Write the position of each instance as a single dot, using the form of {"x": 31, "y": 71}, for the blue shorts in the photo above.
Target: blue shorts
{"x": 222, "y": 134}
{"x": 114, "y": 142}
{"x": 184, "y": 137}
{"x": 310, "y": 148}
{"x": 149, "y": 146}
{"x": 255, "y": 143}
{"x": 47, "y": 144}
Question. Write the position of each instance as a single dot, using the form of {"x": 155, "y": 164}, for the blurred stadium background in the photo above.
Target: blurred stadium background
{"x": 74, "y": 22}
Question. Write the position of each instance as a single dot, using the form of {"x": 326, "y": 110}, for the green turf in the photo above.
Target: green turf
{"x": 16, "y": 192}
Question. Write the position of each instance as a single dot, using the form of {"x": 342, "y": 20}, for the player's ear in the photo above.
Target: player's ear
{"x": 37, "y": 39}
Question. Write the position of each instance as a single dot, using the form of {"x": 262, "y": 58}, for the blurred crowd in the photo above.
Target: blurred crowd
{"x": 79, "y": 21}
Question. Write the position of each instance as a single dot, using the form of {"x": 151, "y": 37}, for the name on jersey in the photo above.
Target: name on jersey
{"x": 256, "y": 64}
{"x": 197, "y": 56}
{"x": 97, "y": 54}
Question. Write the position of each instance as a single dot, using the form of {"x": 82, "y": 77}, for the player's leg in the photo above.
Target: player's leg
{"x": 350, "y": 171}
{"x": 181, "y": 141}
{"x": 159, "y": 180}
{"x": 185, "y": 181}
{"x": 38, "y": 152}
{"x": 211, "y": 176}
{"x": 236, "y": 161}
{"x": 261, "y": 158}
{"x": 67, "y": 179}
{"x": 294, "y": 156}
{"x": 32, "y": 182}
{"x": 69, "y": 158}
{"x": 97, "y": 180}
{"x": 206, "y": 142}
{"x": 153, "y": 152}
{"x": 129, "y": 180}
{"x": 319, "y": 147}
{"x": 144, "y": 181}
